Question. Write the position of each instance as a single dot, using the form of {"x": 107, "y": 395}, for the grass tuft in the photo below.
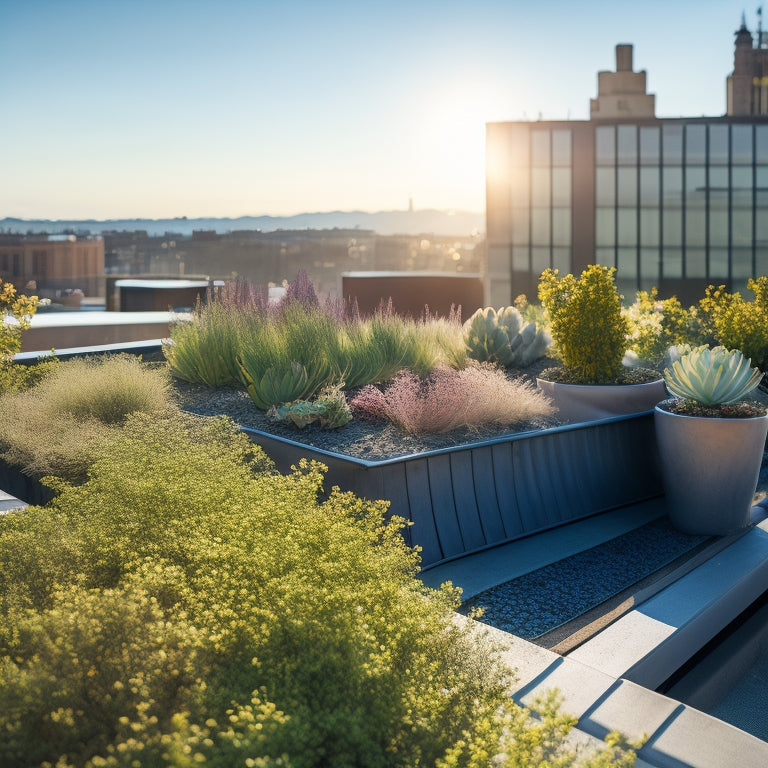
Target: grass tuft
{"x": 476, "y": 396}
{"x": 58, "y": 426}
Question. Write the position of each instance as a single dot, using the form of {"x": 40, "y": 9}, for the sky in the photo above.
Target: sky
{"x": 166, "y": 108}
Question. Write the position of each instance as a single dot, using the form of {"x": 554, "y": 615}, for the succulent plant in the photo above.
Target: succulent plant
{"x": 712, "y": 376}
{"x": 276, "y": 386}
{"x": 534, "y": 342}
{"x": 330, "y": 410}
{"x": 494, "y": 336}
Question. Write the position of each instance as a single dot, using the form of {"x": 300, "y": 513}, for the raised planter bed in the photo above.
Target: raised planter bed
{"x": 468, "y": 498}
{"x": 471, "y": 497}
{"x": 23, "y": 487}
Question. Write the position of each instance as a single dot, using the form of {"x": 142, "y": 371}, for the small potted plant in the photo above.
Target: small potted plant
{"x": 711, "y": 440}
{"x": 590, "y": 338}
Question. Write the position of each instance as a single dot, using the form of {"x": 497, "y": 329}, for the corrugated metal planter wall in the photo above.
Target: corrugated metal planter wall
{"x": 467, "y": 498}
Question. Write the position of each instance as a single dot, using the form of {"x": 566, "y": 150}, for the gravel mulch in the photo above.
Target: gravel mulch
{"x": 365, "y": 439}
{"x": 540, "y": 601}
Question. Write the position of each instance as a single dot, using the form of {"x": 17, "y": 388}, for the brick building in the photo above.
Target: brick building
{"x": 54, "y": 263}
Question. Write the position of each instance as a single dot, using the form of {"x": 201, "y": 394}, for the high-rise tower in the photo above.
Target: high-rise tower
{"x": 747, "y": 85}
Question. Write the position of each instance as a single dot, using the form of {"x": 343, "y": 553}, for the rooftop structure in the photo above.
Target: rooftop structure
{"x": 676, "y": 203}
{"x": 622, "y": 93}
{"x": 51, "y": 264}
{"x": 747, "y": 85}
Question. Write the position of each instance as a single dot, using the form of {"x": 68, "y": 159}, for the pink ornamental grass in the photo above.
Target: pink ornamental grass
{"x": 477, "y": 396}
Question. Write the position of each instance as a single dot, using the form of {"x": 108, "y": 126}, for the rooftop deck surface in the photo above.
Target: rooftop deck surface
{"x": 609, "y": 664}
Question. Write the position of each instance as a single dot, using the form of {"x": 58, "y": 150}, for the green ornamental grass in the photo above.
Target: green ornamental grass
{"x": 57, "y": 426}
{"x": 203, "y": 349}
{"x": 363, "y": 358}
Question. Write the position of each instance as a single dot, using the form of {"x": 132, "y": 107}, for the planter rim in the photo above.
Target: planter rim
{"x": 513, "y": 437}
{"x": 594, "y": 411}
{"x": 592, "y": 386}
{"x": 658, "y": 409}
{"x": 132, "y": 347}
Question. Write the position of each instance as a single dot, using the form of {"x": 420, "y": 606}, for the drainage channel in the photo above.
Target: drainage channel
{"x": 728, "y": 677}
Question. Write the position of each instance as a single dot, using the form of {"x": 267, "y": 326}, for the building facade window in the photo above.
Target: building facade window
{"x": 664, "y": 201}
{"x": 532, "y": 214}
{"x": 650, "y": 145}
{"x": 605, "y": 145}
{"x": 702, "y": 212}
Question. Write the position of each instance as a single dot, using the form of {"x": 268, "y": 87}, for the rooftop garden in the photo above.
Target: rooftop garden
{"x": 152, "y": 616}
{"x": 181, "y": 602}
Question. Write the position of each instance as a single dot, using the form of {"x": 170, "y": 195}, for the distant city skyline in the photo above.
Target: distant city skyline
{"x": 243, "y": 108}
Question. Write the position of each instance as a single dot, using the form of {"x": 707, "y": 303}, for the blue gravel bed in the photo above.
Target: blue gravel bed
{"x": 540, "y": 601}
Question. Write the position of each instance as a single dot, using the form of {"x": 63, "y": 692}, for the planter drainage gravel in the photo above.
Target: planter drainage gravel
{"x": 538, "y": 602}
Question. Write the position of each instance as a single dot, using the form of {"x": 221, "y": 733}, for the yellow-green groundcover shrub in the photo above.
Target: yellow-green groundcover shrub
{"x": 189, "y": 606}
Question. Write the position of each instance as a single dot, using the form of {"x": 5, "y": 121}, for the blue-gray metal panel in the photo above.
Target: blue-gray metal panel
{"x": 485, "y": 494}
{"x": 424, "y": 530}
{"x": 507, "y": 489}
{"x": 394, "y": 489}
{"x": 441, "y": 491}
{"x": 609, "y": 447}
{"x": 23, "y": 487}
{"x": 348, "y": 476}
{"x": 463, "y": 483}
{"x": 503, "y": 474}
{"x": 644, "y": 479}
{"x": 557, "y": 504}
{"x": 577, "y": 486}
{"x": 531, "y": 472}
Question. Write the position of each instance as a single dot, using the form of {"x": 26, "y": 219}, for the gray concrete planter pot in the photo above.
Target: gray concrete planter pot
{"x": 588, "y": 402}
{"x": 710, "y": 469}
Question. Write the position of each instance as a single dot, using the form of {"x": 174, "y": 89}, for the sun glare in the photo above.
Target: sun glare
{"x": 453, "y": 139}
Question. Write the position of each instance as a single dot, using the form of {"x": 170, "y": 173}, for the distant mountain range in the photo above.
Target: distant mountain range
{"x": 383, "y": 222}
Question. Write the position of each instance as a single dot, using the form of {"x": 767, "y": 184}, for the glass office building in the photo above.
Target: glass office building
{"x": 673, "y": 203}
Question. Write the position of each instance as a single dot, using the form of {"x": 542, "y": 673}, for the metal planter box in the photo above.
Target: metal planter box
{"x": 468, "y": 498}
{"x": 23, "y": 487}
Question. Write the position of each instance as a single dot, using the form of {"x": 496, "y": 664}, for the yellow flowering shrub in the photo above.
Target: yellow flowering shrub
{"x": 735, "y": 323}
{"x": 743, "y": 325}
{"x": 655, "y": 325}
{"x": 587, "y": 325}
{"x": 15, "y": 313}
{"x": 713, "y": 302}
